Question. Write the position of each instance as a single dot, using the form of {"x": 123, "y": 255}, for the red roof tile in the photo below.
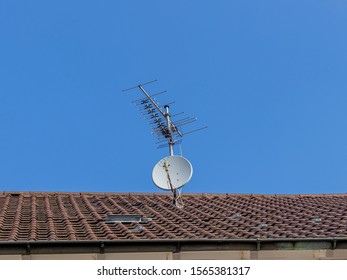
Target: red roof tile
{"x": 80, "y": 216}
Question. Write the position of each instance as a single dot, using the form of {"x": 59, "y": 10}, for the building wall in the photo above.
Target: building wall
{"x": 264, "y": 255}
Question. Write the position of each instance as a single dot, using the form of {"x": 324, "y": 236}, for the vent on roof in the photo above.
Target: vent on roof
{"x": 262, "y": 225}
{"x": 126, "y": 218}
{"x": 236, "y": 215}
{"x": 315, "y": 220}
{"x": 138, "y": 228}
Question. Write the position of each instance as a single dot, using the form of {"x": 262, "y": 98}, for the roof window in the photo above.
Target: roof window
{"x": 126, "y": 218}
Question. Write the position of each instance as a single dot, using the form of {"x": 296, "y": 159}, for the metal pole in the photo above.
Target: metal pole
{"x": 170, "y": 142}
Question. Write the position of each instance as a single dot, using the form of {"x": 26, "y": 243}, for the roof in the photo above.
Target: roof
{"x": 81, "y": 216}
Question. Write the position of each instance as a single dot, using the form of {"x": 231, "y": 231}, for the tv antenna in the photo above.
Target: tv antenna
{"x": 173, "y": 172}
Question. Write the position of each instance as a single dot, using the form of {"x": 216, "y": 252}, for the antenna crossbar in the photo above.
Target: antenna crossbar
{"x": 140, "y": 85}
{"x": 201, "y": 128}
{"x": 184, "y": 123}
{"x": 143, "y": 99}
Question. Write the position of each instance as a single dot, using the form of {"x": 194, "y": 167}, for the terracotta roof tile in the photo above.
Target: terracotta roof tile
{"x": 80, "y": 216}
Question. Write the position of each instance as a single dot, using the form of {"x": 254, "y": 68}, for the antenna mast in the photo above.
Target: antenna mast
{"x": 168, "y": 123}
{"x": 166, "y": 131}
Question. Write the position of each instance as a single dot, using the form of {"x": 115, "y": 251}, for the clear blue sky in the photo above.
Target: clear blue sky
{"x": 269, "y": 78}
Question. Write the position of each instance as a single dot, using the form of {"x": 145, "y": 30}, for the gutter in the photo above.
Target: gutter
{"x": 168, "y": 245}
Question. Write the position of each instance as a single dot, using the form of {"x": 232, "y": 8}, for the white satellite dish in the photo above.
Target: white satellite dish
{"x": 172, "y": 173}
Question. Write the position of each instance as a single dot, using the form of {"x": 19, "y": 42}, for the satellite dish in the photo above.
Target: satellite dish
{"x": 172, "y": 173}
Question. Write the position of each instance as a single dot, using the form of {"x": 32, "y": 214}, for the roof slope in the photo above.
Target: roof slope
{"x": 81, "y": 216}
